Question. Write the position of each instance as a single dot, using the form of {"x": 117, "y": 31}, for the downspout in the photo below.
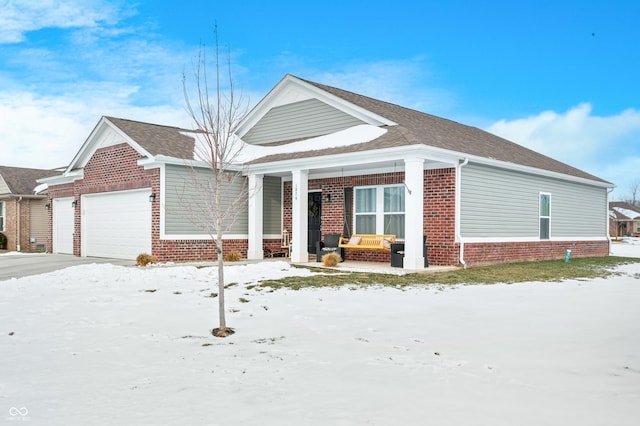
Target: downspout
{"x": 19, "y": 214}
{"x": 609, "y": 191}
{"x": 458, "y": 198}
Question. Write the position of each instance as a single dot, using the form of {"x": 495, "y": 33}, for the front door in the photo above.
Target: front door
{"x": 315, "y": 219}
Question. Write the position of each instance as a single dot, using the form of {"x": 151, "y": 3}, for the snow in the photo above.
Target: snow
{"x": 248, "y": 152}
{"x": 103, "y": 344}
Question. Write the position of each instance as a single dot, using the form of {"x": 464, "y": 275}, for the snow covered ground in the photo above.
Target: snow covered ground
{"x": 104, "y": 344}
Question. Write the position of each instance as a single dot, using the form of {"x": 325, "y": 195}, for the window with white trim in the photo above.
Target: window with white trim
{"x": 380, "y": 210}
{"x": 545, "y": 215}
{"x": 1, "y": 216}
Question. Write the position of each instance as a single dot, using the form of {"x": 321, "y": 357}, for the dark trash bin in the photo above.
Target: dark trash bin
{"x": 397, "y": 253}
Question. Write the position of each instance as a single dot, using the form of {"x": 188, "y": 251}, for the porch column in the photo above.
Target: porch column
{"x": 254, "y": 250}
{"x": 299, "y": 212}
{"x": 413, "y": 213}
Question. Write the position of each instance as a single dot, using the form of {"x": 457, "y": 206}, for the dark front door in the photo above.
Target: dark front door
{"x": 314, "y": 220}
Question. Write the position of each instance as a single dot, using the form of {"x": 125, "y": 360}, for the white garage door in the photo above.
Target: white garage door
{"x": 62, "y": 225}
{"x": 116, "y": 224}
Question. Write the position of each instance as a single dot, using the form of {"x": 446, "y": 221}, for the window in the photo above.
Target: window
{"x": 380, "y": 210}
{"x": 545, "y": 215}
{"x": 1, "y": 216}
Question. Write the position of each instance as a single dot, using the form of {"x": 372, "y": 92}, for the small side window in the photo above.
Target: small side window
{"x": 545, "y": 216}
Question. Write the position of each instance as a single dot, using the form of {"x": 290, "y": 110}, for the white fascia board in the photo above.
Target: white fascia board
{"x": 160, "y": 160}
{"x": 481, "y": 240}
{"x": 355, "y": 158}
{"x": 290, "y": 82}
{"x": 89, "y": 147}
{"x": 63, "y": 178}
{"x": 520, "y": 168}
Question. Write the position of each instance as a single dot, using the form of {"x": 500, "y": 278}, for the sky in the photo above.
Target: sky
{"x": 559, "y": 77}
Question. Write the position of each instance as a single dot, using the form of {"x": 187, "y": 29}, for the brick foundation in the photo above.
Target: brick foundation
{"x": 490, "y": 253}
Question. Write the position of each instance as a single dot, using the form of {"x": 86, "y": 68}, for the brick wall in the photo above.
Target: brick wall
{"x": 439, "y": 212}
{"x": 115, "y": 168}
{"x": 13, "y": 207}
{"x": 489, "y": 253}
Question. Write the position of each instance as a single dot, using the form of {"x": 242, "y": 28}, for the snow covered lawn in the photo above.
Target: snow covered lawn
{"x": 104, "y": 344}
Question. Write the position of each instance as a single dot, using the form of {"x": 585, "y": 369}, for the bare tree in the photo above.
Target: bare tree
{"x": 634, "y": 187}
{"x": 217, "y": 113}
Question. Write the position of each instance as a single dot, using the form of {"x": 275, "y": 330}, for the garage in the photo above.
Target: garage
{"x": 116, "y": 224}
{"x": 62, "y": 225}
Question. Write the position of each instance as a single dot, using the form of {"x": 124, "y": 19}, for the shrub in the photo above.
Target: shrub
{"x": 331, "y": 260}
{"x": 232, "y": 256}
{"x": 144, "y": 259}
{"x": 3, "y": 241}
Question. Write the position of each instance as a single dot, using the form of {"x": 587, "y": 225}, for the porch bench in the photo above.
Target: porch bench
{"x": 368, "y": 242}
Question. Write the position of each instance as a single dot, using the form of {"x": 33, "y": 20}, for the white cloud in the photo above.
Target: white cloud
{"x": 46, "y": 132}
{"x": 606, "y": 146}
{"x": 406, "y": 83}
{"x": 18, "y": 17}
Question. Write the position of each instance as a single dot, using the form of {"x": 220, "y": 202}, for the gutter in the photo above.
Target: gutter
{"x": 458, "y": 197}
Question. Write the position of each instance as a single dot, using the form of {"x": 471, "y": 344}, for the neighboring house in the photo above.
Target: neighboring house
{"x": 624, "y": 219}
{"x": 23, "y": 216}
{"x": 320, "y": 160}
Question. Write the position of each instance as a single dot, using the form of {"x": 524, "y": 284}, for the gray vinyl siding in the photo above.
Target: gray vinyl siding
{"x": 189, "y": 200}
{"x": 272, "y": 202}
{"x": 499, "y": 203}
{"x": 299, "y": 120}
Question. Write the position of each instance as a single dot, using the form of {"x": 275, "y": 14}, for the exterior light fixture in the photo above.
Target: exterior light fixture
{"x": 152, "y": 197}
{"x": 47, "y": 206}
{"x": 327, "y": 198}
{"x": 74, "y": 203}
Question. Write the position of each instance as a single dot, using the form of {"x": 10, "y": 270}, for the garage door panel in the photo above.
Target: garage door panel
{"x": 116, "y": 224}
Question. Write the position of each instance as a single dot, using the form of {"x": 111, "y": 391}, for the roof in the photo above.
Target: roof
{"x": 22, "y": 181}
{"x": 623, "y": 210}
{"x": 415, "y": 127}
{"x": 157, "y": 139}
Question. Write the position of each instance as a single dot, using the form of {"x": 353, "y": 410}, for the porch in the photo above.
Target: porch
{"x": 395, "y": 194}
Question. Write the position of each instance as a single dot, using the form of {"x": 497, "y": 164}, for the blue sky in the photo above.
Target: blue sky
{"x": 560, "y": 77}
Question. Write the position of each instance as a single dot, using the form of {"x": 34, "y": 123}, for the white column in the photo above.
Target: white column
{"x": 256, "y": 205}
{"x": 299, "y": 212}
{"x": 413, "y": 213}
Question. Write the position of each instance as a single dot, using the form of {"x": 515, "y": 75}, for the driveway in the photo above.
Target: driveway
{"x": 20, "y": 265}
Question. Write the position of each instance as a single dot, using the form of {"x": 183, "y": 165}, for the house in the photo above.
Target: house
{"x": 23, "y": 216}
{"x": 624, "y": 219}
{"x": 320, "y": 160}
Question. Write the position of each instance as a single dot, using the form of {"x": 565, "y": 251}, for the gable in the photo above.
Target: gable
{"x": 298, "y": 120}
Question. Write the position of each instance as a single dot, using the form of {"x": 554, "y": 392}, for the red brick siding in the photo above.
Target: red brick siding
{"x": 115, "y": 168}
{"x": 185, "y": 250}
{"x": 489, "y": 253}
{"x": 439, "y": 208}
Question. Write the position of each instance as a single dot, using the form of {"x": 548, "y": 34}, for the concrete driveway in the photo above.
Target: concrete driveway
{"x": 20, "y": 265}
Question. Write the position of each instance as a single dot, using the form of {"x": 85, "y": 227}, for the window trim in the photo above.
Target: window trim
{"x": 379, "y": 212}
{"x": 540, "y": 216}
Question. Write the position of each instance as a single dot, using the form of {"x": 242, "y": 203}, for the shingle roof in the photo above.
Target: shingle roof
{"x": 629, "y": 211}
{"x": 415, "y": 127}
{"x": 158, "y": 139}
{"x": 22, "y": 181}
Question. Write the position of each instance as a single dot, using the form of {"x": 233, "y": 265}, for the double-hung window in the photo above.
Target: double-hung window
{"x": 380, "y": 210}
{"x": 545, "y": 215}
